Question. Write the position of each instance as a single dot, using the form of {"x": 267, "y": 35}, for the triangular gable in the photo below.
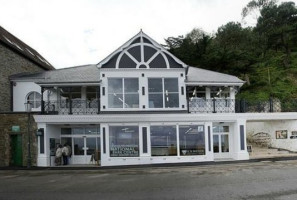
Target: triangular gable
{"x": 141, "y": 52}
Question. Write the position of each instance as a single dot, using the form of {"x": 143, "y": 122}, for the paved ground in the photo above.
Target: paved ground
{"x": 254, "y": 180}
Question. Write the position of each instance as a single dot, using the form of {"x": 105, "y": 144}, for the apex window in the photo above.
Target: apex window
{"x": 163, "y": 93}
{"x": 123, "y": 93}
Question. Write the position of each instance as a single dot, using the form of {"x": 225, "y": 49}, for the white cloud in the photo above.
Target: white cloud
{"x": 77, "y": 32}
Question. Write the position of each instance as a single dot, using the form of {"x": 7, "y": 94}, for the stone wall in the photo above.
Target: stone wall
{"x": 11, "y": 63}
{"x": 17, "y": 119}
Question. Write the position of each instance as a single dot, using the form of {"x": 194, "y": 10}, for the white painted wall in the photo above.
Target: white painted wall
{"x": 20, "y": 92}
{"x": 271, "y": 127}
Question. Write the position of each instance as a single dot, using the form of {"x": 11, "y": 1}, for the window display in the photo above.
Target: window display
{"x": 163, "y": 141}
{"x": 124, "y": 141}
{"x": 191, "y": 140}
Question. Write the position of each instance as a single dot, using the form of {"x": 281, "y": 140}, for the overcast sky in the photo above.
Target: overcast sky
{"x": 77, "y": 32}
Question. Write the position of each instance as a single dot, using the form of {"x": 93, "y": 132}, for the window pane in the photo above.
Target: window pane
{"x": 65, "y": 131}
{"x": 92, "y": 145}
{"x": 115, "y": 85}
{"x": 115, "y": 100}
{"x": 191, "y": 141}
{"x": 78, "y": 131}
{"x": 171, "y": 100}
{"x": 155, "y": 85}
{"x": 216, "y": 147}
{"x": 171, "y": 84}
{"x": 78, "y": 144}
{"x": 124, "y": 141}
{"x": 92, "y": 131}
{"x": 156, "y": 100}
{"x": 131, "y": 101}
{"x": 163, "y": 141}
{"x": 225, "y": 143}
{"x": 131, "y": 85}
{"x": 31, "y": 96}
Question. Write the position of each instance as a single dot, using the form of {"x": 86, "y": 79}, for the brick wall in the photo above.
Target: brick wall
{"x": 11, "y": 63}
{"x": 17, "y": 119}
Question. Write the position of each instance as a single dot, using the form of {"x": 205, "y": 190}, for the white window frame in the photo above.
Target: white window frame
{"x": 35, "y": 100}
{"x": 163, "y": 92}
{"x": 123, "y": 92}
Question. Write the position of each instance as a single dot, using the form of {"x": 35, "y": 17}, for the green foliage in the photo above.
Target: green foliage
{"x": 265, "y": 56}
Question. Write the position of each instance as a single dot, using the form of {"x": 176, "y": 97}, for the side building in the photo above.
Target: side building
{"x": 16, "y": 58}
{"x": 140, "y": 105}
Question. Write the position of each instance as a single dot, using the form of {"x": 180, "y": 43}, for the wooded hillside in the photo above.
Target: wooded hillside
{"x": 265, "y": 56}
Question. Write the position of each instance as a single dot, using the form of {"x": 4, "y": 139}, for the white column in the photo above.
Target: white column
{"x": 207, "y": 93}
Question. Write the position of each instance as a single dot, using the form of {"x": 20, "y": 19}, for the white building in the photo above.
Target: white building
{"x": 140, "y": 105}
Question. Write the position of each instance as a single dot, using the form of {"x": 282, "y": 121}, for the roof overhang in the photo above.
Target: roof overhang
{"x": 70, "y": 84}
{"x": 213, "y": 84}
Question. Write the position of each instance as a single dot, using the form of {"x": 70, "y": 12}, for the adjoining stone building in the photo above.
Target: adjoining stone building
{"x": 16, "y": 57}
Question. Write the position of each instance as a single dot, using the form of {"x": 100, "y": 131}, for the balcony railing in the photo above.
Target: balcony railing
{"x": 196, "y": 105}
{"x": 72, "y": 107}
{"x": 200, "y": 105}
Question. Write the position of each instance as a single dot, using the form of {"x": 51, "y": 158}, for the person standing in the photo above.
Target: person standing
{"x": 58, "y": 160}
{"x": 65, "y": 153}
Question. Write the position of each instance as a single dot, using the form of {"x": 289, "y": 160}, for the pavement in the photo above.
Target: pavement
{"x": 253, "y": 180}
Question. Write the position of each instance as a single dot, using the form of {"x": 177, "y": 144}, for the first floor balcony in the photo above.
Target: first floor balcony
{"x": 195, "y": 105}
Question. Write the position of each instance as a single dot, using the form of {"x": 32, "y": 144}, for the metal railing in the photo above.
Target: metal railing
{"x": 196, "y": 105}
{"x": 200, "y": 105}
{"x": 72, "y": 107}
{"x": 271, "y": 105}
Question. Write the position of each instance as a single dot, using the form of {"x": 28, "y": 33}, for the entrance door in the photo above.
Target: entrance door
{"x": 84, "y": 148}
{"x": 221, "y": 141}
{"x": 16, "y": 150}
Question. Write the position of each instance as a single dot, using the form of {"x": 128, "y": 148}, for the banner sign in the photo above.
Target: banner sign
{"x": 124, "y": 151}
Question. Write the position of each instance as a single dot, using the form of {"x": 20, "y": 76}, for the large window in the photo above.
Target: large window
{"x": 34, "y": 98}
{"x": 124, "y": 141}
{"x": 163, "y": 93}
{"x": 163, "y": 141}
{"x": 123, "y": 93}
{"x": 191, "y": 140}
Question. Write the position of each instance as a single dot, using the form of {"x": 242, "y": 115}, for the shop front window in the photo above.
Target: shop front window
{"x": 191, "y": 140}
{"x": 124, "y": 141}
{"x": 163, "y": 141}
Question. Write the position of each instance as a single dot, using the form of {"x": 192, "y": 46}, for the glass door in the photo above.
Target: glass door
{"x": 86, "y": 149}
{"x": 221, "y": 141}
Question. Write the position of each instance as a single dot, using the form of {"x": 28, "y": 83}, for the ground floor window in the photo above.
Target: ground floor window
{"x": 163, "y": 141}
{"x": 191, "y": 140}
{"x": 124, "y": 141}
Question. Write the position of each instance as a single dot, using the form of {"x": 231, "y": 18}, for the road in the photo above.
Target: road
{"x": 256, "y": 180}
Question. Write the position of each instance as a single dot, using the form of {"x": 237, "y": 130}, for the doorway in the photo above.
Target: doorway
{"x": 16, "y": 150}
{"x": 221, "y": 141}
{"x": 83, "y": 148}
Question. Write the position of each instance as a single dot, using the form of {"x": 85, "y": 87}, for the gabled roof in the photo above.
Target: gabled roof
{"x": 197, "y": 76}
{"x": 141, "y": 51}
{"x": 78, "y": 74}
{"x": 20, "y": 47}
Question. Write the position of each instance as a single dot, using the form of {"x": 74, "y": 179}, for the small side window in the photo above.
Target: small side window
{"x": 34, "y": 98}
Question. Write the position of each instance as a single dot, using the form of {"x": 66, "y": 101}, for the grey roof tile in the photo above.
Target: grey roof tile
{"x": 198, "y": 75}
{"x": 22, "y": 48}
{"x": 78, "y": 74}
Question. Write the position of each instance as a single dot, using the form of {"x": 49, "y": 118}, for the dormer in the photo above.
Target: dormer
{"x": 142, "y": 75}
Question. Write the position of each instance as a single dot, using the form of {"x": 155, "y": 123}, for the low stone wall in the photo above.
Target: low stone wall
{"x": 7, "y": 120}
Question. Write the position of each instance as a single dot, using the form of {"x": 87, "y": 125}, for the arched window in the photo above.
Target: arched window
{"x": 34, "y": 98}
